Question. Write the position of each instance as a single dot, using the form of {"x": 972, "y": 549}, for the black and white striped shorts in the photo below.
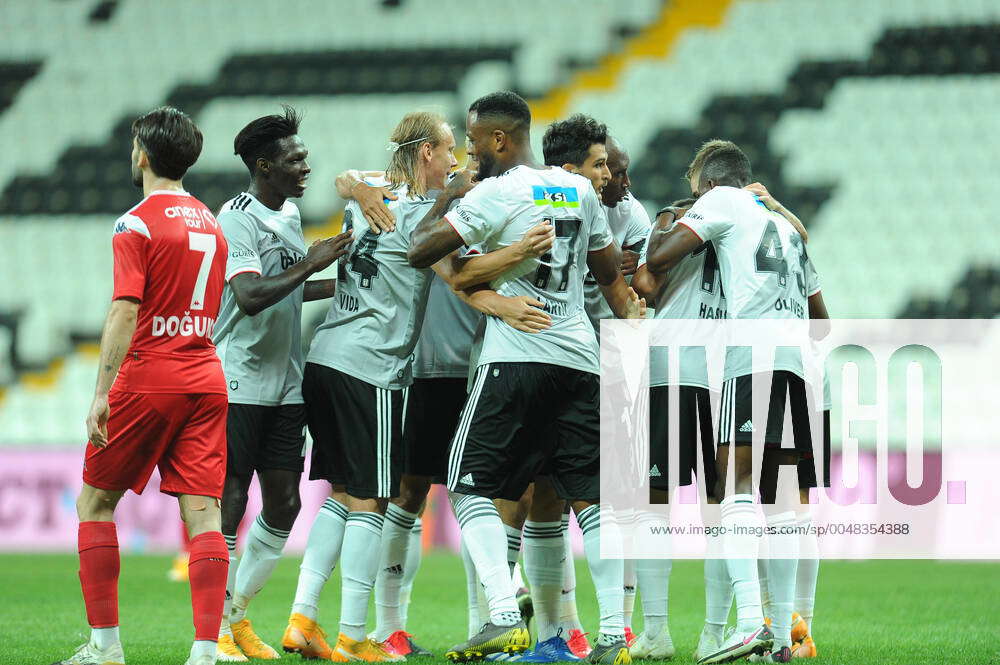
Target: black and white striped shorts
{"x": 357, "y": 431}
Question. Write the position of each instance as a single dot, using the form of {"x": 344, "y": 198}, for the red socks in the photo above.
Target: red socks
{"x": 99, "y": 567}
{"x": 207, "y": 571}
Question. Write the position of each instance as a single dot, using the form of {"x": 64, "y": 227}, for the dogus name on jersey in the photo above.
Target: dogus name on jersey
{"x": 172, "y": 235}
{"x": 262, "y": 354}
{"x": 496, "y": 214}
{"x": 373, "y": 322}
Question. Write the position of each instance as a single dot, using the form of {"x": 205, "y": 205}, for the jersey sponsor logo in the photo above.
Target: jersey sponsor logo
{"x": 289, "y": 260}
{"x": 348, "y": 303}
{"x": 196, "y": 218}
{"x": 122, "y": 227}
{"x": 183, "y": 326}
{"x": 242, "y": 254}
{"x": 654, "y": 471}
{"x": 747, "y": 427}
{"x": 693, "y": 215}
{"x": 467, "y": 480}
{"x": 557, "y": 197}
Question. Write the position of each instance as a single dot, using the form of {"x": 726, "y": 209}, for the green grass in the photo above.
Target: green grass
{"x": 907, "y": 612}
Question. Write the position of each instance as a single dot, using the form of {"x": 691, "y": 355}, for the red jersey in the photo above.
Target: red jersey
{"x": 170, "y": 254}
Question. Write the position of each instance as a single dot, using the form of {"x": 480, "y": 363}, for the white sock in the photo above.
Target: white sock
{"x": 483, "y": 534}
{"x": 653, "y": 575}
{"x": 202, "y": 648}
{"x": 739, "y": 514}
{"x": 513, "y": 554}
{"x": 628, "y": 590}
{"x": 808, "y": 571}
{"x": 260, "y": 556}
{"x": 765, "y": 591}
{"x": 227, "y": 606}
{"x": 414, "y": 556}
{"x": 472, "y": 587}
{"x": 358, "y": 568}
{"x": 103, "y": 638}
{"x": 784, "y": 552}
{"x": 718, "y": 590}
{"x": 389, "y": 581}
{"x": 569, "y": 618}
{"x": 543, "y": 563}
{"x": 517, "y": 576}
{"x": 608, "y": 574}
{"x": 322, "y": 552}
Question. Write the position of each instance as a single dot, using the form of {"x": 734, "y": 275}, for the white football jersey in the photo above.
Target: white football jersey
{"x": 765, "y": 270}
{"x": 691, "y": 290}
{"x": 497, "y": 213}
{"x": 629, "y": 224}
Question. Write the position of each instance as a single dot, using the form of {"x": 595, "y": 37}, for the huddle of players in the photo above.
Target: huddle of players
{"x": 524, "y": 423}
{"x": 373, "y": 442}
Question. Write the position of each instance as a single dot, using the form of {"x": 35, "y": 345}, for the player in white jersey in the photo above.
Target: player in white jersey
{"x": 358, "y": 370}
{"x": 258, "y": 339}
{"x": 580, "y": 144}
{"x": 440, "y": 377}
{"x": 629, "y": 223}
{"x": 765, "y": 274}
{"x": 534, "y": 402}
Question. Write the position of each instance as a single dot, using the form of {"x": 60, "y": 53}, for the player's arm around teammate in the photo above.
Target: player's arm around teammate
{"x": 467, "y": 274}
{"x": 460, "y": 271}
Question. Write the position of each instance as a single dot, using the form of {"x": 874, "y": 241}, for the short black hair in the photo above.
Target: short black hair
{"x": 171, "y": 140}
{"x": 504, "y": 105}
{"x": 568, "y": 141}
{"x": 260, "y": 137}
{"x": 727, "y": 165}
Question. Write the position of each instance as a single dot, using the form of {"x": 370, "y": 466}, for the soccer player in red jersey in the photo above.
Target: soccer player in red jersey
{"x": 160, "y": 398}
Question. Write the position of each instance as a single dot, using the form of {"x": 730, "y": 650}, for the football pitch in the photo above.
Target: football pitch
{"x": 906, "y": 612}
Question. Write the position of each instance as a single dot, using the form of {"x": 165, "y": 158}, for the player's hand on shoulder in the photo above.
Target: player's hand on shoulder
{"x": 325, "y": 251}
{"x": 537, "y": 240}
{"x": 524, "y": 313}
{"x": 371, "y": 200}
{"x": 630, "y": 262}
{"x": 461, "y": 184}
{"x": 97, "y": 421}
{"x": 760, "y": 191}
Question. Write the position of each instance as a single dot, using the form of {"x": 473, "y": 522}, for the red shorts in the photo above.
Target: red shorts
{"x": 183, "y": 435}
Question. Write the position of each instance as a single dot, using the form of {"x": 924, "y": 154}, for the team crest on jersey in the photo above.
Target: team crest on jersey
{"x": 557, "y": 197}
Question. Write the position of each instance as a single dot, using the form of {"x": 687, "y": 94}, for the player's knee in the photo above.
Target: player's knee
{"x": 96, "y": 505}
{"x": 280, "y": 511}
{"x": 201, "y": 514}
{"x": 412, "y": 492}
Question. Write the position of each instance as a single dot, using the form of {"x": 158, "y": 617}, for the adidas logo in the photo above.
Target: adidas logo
{"x": 395, "y": 570}
{"x": 747, "y": 427}
{"x": 654, "y": 472}
{"x": 467, "y": 480}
